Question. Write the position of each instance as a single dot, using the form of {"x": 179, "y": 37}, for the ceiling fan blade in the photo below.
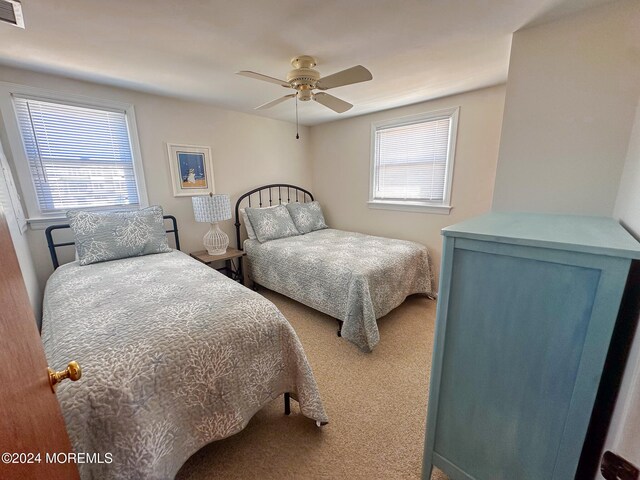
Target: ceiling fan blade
{"x": 351, "y": 75}
{"x": 334, "y": 103}
{"x": 275, "y": 102}
{"x": 265, "y": 78}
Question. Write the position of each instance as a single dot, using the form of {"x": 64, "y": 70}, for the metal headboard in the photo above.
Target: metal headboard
{"x": 276, "y": 192}
{"x": 53, "y": 246}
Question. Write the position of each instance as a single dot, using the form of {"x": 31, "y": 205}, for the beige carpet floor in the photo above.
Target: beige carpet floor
{"x": 376, "y": 404}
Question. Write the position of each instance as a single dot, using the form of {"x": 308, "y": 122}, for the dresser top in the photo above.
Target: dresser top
{"x": 597, "y": 235}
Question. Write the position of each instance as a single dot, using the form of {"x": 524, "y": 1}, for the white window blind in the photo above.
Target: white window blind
{"x": 410, "y": 161}
{"x": 79, "y": 157}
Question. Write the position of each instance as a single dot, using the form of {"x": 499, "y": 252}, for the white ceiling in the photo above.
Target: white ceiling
{"x": 416, "y": 49}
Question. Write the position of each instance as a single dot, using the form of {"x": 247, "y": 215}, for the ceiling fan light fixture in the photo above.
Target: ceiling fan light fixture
{"x": 304, "y": 79}
{"x": 305, "y": 95}
{"x": 303, "y": 76}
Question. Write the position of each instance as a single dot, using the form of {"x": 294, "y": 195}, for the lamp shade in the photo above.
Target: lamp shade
{"x": 211, "y": 208}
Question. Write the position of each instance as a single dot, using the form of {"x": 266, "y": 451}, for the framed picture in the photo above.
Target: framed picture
{"x": 191, "y": 170}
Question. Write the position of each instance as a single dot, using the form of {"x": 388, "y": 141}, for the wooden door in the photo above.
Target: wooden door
{"x": 31, "y": 422}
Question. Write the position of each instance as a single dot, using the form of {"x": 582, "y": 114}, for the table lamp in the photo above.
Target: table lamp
{"x": 213, "y": 209}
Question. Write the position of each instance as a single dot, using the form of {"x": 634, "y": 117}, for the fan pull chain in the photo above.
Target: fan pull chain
{"x": 297, "y": 136}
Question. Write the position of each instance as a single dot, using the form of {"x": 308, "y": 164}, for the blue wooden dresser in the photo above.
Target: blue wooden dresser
{"x": 526, "y": 309}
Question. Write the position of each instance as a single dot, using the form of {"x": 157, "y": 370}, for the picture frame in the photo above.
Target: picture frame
{"x": 191, "y": 170}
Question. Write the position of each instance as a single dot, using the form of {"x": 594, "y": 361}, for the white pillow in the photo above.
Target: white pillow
{"x": 247, "y": 223}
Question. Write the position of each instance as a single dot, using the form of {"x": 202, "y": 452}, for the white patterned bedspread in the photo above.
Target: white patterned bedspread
{"x": 174, "y": 355}
{"x": 353, "y": 277}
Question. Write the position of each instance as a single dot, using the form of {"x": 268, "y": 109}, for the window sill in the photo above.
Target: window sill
{"x": 410, "y": 206}
{"x": 58, "y": 218}
{"x": 42, "y": 223}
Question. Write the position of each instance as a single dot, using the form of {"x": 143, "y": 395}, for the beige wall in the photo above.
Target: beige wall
{"x": 628, "y": 202}
{"x": 624, "y": 436}
{"x": 570, "y": 103}
{"x": 341, "y": 166}
{"x": 247, "y": 151}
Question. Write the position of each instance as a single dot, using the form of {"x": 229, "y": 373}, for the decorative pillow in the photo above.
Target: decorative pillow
{"x": 307, "y": 217}
{"x": 247, "y": 223}
{"x": 271, "y": 223}
{"x": 103, "y": 236}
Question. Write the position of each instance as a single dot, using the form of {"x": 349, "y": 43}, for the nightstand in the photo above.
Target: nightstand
{"x": 230, "y": 269}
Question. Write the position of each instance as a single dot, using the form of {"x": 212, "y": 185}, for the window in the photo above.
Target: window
{"x": 78, "y": 156}
{"x": 412, "y": 162}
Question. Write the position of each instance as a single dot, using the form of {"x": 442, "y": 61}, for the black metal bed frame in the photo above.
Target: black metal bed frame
{"x": 53, "y": 246}
{"x": 298, "y": 191}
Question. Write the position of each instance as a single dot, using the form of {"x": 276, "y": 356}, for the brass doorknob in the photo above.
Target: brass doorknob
{"x": 73, "y": 372}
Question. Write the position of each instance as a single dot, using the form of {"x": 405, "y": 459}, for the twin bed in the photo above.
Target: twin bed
{"x": 175, "y": 355}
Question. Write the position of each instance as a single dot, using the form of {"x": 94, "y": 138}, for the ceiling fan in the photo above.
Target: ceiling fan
{"x": 304, "y": 80}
